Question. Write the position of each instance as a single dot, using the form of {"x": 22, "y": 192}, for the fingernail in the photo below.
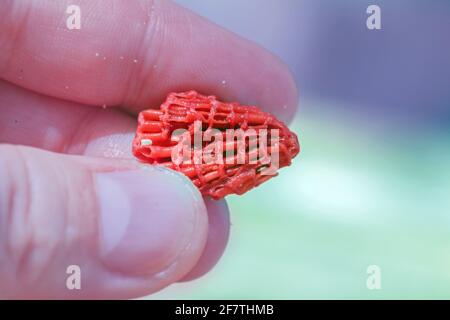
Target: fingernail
{"x": 147, "y": 218}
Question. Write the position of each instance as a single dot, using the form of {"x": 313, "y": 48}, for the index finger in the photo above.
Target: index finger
{"x": 132, "y": 53}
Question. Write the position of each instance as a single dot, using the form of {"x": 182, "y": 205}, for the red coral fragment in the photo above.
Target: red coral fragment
{"x": 154, "y": 143}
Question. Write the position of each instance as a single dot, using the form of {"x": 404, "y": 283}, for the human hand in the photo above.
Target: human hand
{"x": 70, "y": 191}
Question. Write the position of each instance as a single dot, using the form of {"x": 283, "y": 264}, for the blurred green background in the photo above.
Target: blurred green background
{"x": 371, "y": 185}
{"x": 353, "y": 198}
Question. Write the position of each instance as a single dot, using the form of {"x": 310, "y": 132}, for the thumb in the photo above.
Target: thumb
{"x": 112, "y": 228}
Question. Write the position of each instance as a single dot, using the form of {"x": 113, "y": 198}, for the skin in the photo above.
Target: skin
{"x": 65, "y": 160}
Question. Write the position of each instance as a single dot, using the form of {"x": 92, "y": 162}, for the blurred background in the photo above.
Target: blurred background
{"x": 372, "y": 183}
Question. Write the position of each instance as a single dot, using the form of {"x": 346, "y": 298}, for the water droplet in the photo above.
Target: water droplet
{"x": 224, "y": 82}
{"x": 66, "y": 87}
{"x": 121, "y": 57}
{"x": 97, "y": 54}
{"x": 135, "y": 61}
{"x": 285, "y": 107}
{"x": 155, "y": 66}
{"x": 104, "y": 106}
{"x": 104, "y": 58}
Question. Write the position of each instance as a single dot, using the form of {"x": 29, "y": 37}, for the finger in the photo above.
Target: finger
{"x": 27, "y": 118}
{"x": 118, "y": 223}
{"x": 44, "y": 122}
{"x": 218, "y": 234}
{"x": 133, "y": 53}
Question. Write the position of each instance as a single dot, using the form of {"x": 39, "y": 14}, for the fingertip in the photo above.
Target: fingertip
{"x": 282, "y": 100}
{"x": 142, "y": 59}
{"x": 218, "y": 235}
{"x": 258, "y": 78}
{"x": 151, "y": 219}
{"x": 130, "y": 231}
